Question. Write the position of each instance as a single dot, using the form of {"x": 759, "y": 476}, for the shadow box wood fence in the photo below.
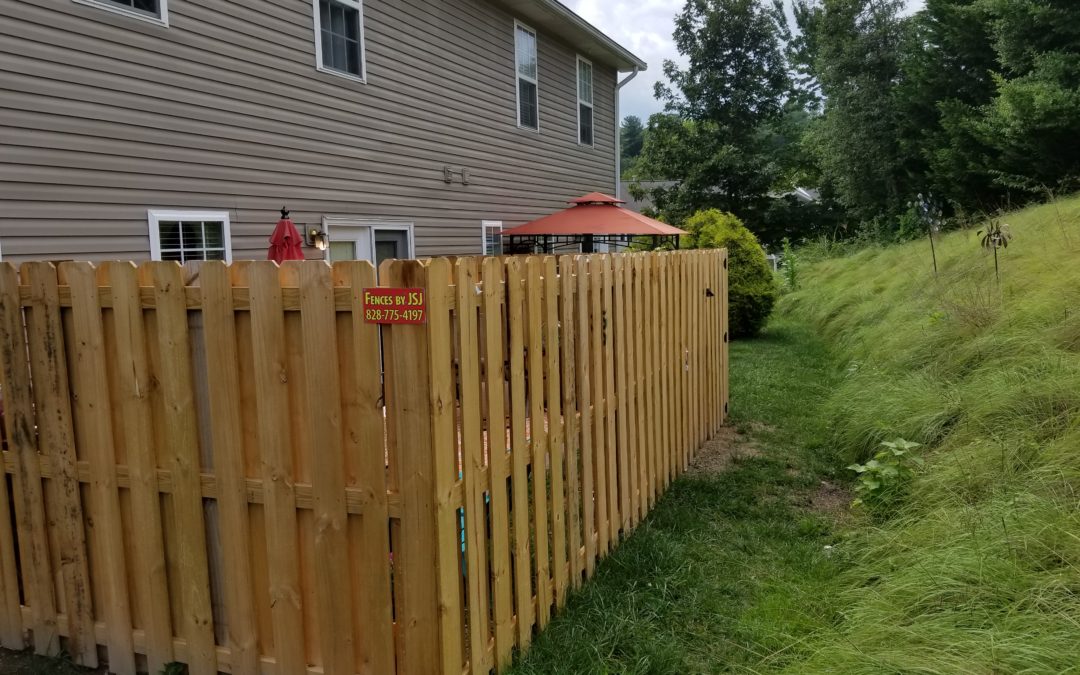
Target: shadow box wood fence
{"x": 226, "y": 467}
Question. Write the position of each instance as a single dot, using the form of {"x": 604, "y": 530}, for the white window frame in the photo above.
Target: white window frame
{"x": 155, "y": 216}
{"x": 535, "y": 81}
{"x": 485, "y": 226}
{"x": 161, "y": 20}
{"x": 592, "y": 92}
{"x": 359, "y": 6}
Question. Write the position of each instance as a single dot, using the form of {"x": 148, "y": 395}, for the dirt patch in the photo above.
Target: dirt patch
{"x": 829, "y": 499}
{"x": 727, "y": 447}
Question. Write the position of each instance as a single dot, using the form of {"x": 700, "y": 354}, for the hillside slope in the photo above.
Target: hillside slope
{"x": 978, "y": 571}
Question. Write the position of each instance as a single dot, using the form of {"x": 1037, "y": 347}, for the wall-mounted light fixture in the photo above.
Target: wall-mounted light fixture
{"x": 315, "y": 237}
{"x": 448, "y": 175}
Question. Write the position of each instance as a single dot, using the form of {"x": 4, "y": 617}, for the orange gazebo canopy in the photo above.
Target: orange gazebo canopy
{"x": 594, "y": 214}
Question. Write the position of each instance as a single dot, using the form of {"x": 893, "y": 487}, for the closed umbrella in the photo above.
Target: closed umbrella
{"x": 285, "y": 241}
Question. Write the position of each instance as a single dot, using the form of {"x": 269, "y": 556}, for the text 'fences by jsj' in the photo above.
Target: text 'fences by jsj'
{"x": 236, "y": 468}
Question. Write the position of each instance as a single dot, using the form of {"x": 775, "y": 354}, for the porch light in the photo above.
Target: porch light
{"x": 317, "y": 238}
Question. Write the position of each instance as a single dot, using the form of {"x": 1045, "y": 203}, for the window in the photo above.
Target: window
{"x": 584, "y": 102}
{"x": 525, "y": 58}
{"x": 492, "y": 237}
{"x": 339, "y": 37}
{"x": 154, "y": 11}
{"x": 190, "y": 235}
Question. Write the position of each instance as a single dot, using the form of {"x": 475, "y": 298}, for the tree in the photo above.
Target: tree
{"x": 632, "y": 135}
{"x": 855, "y": 50}
{"x": 714, "y": 137}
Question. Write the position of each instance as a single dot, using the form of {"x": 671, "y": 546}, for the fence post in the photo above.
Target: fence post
{"x": 417, "y": 411}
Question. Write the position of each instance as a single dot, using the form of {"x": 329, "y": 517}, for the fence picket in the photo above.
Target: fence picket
{"x": 498, "y": 461}
{"x": 28, "y": 499}
{"x": 472, "y": 454}
{"x": 555, "y": 435}
{"x": 534, "y": 291}
{"x": 609, "y": 328}
{"x": 323, "y": 418}
{"x": 523, "y": 594}
{"x": 571, "y": 425}
{"x": 56, "y": 439}
{"x": 272, "y": 411}
{"x": 135, "y": 428}
{"x": 621, "y": 403}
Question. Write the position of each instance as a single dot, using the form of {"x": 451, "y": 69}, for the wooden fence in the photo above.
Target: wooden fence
{"x": 228, "y": 468}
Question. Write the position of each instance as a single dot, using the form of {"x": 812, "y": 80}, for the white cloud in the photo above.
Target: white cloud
{"x": 645, "y": 28}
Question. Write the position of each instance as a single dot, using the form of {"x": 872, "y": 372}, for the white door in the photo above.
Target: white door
{"x": 352, "y": 240}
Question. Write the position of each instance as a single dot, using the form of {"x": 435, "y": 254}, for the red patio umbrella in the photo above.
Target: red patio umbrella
{"x": 285, "y": 241}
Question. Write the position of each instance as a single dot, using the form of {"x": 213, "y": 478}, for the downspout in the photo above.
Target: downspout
{"x": 618, "y": 133}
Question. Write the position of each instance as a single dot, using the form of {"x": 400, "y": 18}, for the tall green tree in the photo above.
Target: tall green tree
{"x": 632, "y": 136}
{"x": 856, "y": 54}
{"x": 714, "y": 138}
{"x": 1034, "y": 120}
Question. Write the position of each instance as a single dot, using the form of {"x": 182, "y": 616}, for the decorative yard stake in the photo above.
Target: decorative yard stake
{"x": 996, "y": 235}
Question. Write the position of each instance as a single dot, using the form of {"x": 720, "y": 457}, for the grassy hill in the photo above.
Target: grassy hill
{"x": 977, "y": 570}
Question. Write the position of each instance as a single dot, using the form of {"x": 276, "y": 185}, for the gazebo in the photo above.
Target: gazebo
{"x": 593, "y": 219}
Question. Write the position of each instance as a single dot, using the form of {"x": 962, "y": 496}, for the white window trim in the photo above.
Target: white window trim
{"x": 154, "y": 216}
{"x": 359, "y": 6}
{"x": 518, "y": 76}
{"x": 577, "y": 79}
{"x": 163, "y": 6}
{"x": 486, "y": 225}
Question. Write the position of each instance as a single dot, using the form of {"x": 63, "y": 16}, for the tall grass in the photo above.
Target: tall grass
{"x": 979, "y": 570}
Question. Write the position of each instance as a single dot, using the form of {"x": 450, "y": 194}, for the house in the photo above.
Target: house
{"x": 177, "y": 129}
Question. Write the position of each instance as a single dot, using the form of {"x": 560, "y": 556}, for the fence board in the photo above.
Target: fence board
{"x": 56, "y": 439}
{"x": 28, "y": 499}
{"x": 182, "y": 450}
{"x": 91, "y": 394}
{"x": 621, "y": 402}
{"x": 571, "y": 427}
{"x": 555, "y": 435}
{"x": 323, "y": 417}
{"x": 498, "y": 461}
{"x": 607, "y": 343}
{"x": 135, "y": 428}
{"x": 541, "y": 527}
{"x": 272, "y": 411}
{"x": 586, "y": 363}
{"x": 523, "y": 594}
{"x": 599, "y": 388}
{"x": 472, "y": 453}
{"x": 410, "y": 415}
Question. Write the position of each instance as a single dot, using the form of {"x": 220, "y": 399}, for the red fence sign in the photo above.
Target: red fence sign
{"x": 395, "y": 305}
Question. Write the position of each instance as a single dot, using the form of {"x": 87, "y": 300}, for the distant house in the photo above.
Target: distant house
{"x": 176, "y": 129}
{"x": 647, "y": 185}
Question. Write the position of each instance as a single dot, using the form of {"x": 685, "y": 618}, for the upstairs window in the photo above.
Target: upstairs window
{"x": 339, "y": 41}
{"x": 525, "y": 57}
{"x": 584, "y": 101}
{"x": 154, "y": 11}
{"x": 190, "y": 235}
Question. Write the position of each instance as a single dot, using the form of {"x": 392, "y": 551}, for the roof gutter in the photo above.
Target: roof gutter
{"x": 618, "y": 132}
{"x": 569, "y": 15}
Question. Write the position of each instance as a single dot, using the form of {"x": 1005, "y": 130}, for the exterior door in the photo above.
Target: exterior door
{"x": 364, "y": 241}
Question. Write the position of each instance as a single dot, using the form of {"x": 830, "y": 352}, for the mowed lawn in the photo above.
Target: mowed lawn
{"x": 733, "y": 569}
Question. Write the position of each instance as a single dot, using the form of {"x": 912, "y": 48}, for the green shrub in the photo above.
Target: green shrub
{"x": 752, "y": 290}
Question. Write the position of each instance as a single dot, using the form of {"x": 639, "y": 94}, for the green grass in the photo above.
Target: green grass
{"x": 979, "y": 570}
{"x": 728, "y": 571}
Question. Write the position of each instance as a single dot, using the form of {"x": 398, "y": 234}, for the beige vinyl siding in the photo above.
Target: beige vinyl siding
{"x": 103, "y": 117}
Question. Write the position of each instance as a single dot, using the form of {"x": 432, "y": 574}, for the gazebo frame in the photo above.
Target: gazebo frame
{"x": 574, "y": 243}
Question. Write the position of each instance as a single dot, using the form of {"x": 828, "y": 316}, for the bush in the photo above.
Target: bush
{"x": 752, "y": 290}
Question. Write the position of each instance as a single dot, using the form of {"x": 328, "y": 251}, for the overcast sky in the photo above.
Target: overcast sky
{"x": 644, "y": 27}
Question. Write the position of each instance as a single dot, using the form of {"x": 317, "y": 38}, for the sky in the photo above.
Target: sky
{"x": 644, "y": 27}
